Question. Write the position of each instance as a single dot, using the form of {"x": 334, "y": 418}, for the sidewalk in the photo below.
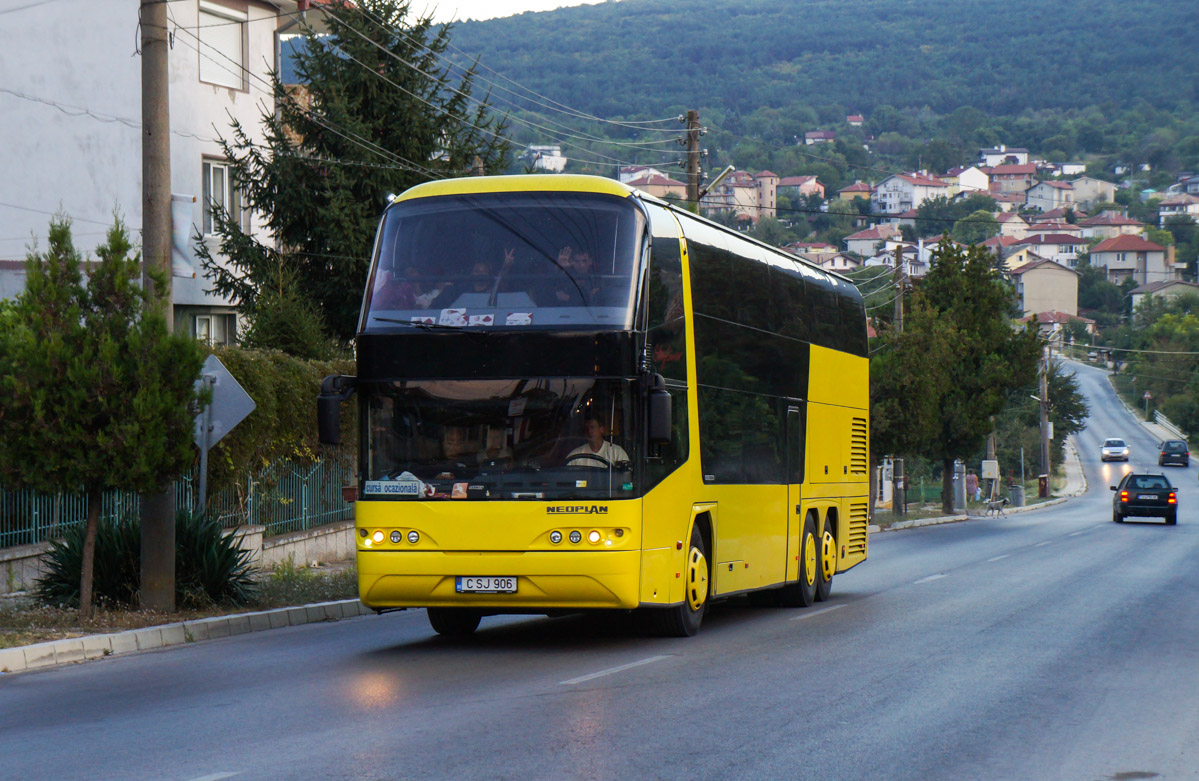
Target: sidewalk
{"x": 79, "y": 649}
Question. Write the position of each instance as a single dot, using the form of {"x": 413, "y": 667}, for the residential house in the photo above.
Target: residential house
{"x": 1059, "y": 247}
{"x": 1012, "y": 178}
{"x": 1064, "y": 228}
{"x": 835, "y": 261}
{"x": 966, "y": 181}
{"x": 1052, "y": 326}
{"x": 70, "y": 117}
{"x": 1015, "y": 255}
{"x": 1109, "y": 224}
{"x": 1001, "y": 246}
{"x": 819, "y": 137}
{"x": 1049, "y": 195}
{"x": 1060, "y": 214}
{"x": 855, "y": 120}
{"x": 1132, "y": 256}
{"x": 900, "y": 192}
{"x": 866, "y": 243}
{"x": 767, "y": 183}
{"x": 1045, "y": 286}
{"x": 811, "y": 248}
{"x": 1183, "y": 204}
{"x": 1008, "y": 202}
{"x": 739, "y": 194}
{"x": 858, "y": 189}
{"x": 1012, "y": 225}
{"x": 1003, "y": 155}
{"x": 913, "y": 259}
{"x": 1089, "y": 191}
{"x": 628, "y": 173}
{"x": 800, "y": 186}
{"x": 659, "y": 185}
{"x": 546, "y": 158}
{"x": 1167, "y": 289}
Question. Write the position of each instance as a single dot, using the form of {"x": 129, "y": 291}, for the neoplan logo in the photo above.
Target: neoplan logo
{"x": 578, "y": 509}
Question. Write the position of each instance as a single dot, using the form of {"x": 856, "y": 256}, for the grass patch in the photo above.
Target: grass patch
{"x": 25, "y": 622}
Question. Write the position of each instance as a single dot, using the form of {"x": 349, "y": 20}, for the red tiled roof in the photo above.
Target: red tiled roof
{"x": 1153, "y": 287}
{"x": 654, "y": 179}
{"x": 857, "y": 187}
{"x": 795, "y": 181}
{"x": 1127, "y": 244}
{"x": 1013, "y": 169}
{"x": 1051, "y": 238}
{"x": 874, "y": 232}
{"x": 922, "y": 180}
{"x": 764, "y": 174}
{"x": 1029, "y": 266}
{"x": 1108, "y": 218}
{"x": 1057, "y": 185}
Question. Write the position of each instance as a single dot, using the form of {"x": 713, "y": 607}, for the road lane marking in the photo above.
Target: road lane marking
{"x": 815, "y": 613}
{"x": 611, "y": 670}
{"x": 997, "y": 558}
{"x": 930, "y": 578}
{"x": 216, "y": 776}
{"x": 1043, "y": 544}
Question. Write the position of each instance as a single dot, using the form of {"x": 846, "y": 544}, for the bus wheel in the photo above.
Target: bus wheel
{"x": 684, "y": 620}
{"x": 828, "y": 563}
{"x": 453, "y": 621}
{"x": 803, "y": 592}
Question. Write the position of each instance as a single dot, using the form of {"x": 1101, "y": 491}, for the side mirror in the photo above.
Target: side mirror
{"x": 658, "y": 412}
{"x": 335, "y": 389}
{"x": 1113, "y": 487}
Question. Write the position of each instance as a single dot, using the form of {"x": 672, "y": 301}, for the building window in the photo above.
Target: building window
{"x": 214, "y": 328}
{"x": 222, "y": 45}
{"x": 204, "y": 329}
{"x": 219, "y": 190}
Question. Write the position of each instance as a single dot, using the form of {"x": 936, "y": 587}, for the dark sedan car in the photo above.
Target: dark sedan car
{"x": 1173, "y": 451}
{"x": 1145, "y": 495}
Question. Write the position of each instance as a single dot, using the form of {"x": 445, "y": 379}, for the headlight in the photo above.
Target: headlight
{"x": 413, "y": 537}
{"x": 396, "y": 537}
{"x": 576, "y": 537}
{"x": 593, "y": 536}
{"x": 377, "y": 536}
{"x": 555, "y": 537}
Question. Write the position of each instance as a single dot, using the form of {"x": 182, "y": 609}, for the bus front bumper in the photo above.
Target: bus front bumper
{"x": 544, "y": 579}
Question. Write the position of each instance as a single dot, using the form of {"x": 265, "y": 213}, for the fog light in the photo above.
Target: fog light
{"x": 555, "y": 537}
{"x": 593, "y": 536}
{"x": 413, "y": 537}
{"x": 396, "y": 536}
{"x": 575, "y": 537}
{"x": 377, "y": 536}
{"x": 362, "y": 532}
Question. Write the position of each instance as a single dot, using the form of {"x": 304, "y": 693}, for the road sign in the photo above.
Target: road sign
{"x": 230, "y": 403}
{"x": 1146, "y": 397}
{"x": 229, "y": 406}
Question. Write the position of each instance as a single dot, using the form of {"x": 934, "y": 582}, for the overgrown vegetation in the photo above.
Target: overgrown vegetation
{"x": 210, "y": 567}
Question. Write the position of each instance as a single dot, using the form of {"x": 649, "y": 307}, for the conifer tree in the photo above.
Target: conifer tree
{"x": 97, "y": 394}
{"x": 379, "y": 111}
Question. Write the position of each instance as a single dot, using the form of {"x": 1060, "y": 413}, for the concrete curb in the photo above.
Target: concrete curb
{"x": 55, "y": 653}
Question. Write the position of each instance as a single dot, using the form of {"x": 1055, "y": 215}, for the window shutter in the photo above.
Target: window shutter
{"x": 221, "y": 60}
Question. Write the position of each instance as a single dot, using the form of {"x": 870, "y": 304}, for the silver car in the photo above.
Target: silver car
{"x": 1114, "y": 450}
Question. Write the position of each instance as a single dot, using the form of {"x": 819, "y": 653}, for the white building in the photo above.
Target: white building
{"x": 1046, "y": 196}
{"x": 1003, "y": 155}
{"x": 70, "y": 117}
{"x": 899, "y": 193}
{"x": 1132, "y": 256}
{"x": 547, "y": 158}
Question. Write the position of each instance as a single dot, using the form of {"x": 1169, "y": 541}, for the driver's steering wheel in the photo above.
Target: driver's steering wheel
{"x": 590, "y": 457}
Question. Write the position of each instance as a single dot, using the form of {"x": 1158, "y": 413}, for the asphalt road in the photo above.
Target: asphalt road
{"x": 1047, "y": 645}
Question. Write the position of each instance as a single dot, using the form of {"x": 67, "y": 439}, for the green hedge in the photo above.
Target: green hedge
{"x": 283, "y": 423}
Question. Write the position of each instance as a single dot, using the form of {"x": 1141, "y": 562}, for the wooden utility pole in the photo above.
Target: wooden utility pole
{"x": 158, "y": 509}
{"x": 693, "y": 157}
{"x": 900, "y": 286}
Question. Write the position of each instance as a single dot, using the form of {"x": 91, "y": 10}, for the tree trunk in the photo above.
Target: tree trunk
{"x": 89, "y": 553}
{"x": 947, "y": 486}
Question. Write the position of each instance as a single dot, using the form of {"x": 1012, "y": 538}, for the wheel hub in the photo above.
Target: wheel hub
{"x": 828, "y": 555}
{"x": 809, "y": 558}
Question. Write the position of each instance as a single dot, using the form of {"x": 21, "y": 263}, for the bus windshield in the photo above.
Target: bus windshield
{"x": 541, "y": 438}
{"x": 506, "y": 261}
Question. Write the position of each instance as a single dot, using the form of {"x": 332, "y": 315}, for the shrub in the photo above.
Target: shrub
{"x": 210, "y": 567}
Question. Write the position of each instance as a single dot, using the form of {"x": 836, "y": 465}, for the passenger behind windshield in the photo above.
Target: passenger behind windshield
{"x": 455, "y": 454}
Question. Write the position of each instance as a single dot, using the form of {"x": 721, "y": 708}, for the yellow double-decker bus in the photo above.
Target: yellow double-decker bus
{"x": 576, "y": 396}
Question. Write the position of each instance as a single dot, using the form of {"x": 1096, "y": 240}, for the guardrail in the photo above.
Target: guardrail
{"x": 1165, "y": 423}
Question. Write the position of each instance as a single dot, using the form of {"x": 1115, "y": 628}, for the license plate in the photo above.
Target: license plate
{"x": 1148, "y": 496}
{"x": 485, "y": 585}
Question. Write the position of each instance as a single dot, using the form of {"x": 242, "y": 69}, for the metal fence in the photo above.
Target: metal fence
{"x": 284, "y": 497}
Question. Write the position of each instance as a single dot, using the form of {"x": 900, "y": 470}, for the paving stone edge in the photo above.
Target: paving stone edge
{"x": 55, "y": 653}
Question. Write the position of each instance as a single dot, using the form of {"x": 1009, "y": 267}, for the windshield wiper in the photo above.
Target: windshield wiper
{"x": 434, "y": 326}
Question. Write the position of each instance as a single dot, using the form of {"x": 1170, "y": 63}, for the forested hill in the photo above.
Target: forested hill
{"x": 646, "y": 57}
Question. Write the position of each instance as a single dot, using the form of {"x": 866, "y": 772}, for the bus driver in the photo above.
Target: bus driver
{"x": 597, "y": 452}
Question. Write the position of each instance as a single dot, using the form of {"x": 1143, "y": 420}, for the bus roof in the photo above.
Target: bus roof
{"x": 472, "y": 185}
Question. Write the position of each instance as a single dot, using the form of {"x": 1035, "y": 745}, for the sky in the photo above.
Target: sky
{"x": 461, "y": 10}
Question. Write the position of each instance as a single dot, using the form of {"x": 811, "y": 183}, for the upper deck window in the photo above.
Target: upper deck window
{"x": 506, "y": 261}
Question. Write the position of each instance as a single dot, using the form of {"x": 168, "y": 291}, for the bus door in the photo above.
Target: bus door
{"x": 795, "y": 474}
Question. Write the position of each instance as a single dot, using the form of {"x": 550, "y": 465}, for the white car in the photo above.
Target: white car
{"x": 1114, "y": 450}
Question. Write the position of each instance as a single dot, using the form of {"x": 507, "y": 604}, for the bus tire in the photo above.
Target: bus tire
{"x": 453, "y": 621}
{"x": 826, "y": 565}
{"x": 802, "y": 593}
{"x": 684, "y": 620}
